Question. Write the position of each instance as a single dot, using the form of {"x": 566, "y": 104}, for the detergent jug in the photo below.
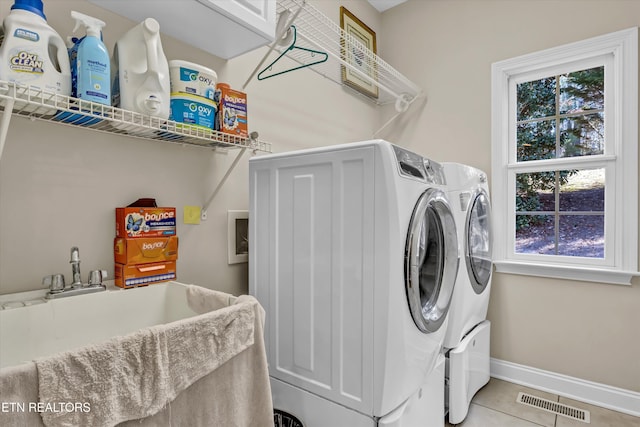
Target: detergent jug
{"x": 140, "y": 71}
{"x": 32, "y": 53}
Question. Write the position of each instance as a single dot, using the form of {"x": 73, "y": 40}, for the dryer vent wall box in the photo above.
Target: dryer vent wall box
{"x": 224, "y": 28}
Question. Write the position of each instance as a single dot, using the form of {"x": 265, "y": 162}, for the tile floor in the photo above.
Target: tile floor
{"x": 495, "y": 406}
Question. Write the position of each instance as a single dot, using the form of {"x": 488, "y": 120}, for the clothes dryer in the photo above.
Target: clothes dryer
{"x": 468, "y": 332}
{"x": 354, "y": 256}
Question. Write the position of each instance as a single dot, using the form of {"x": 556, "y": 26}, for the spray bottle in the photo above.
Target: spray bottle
{"x": 73, "y": 43}
{"x": 92, "y": 61}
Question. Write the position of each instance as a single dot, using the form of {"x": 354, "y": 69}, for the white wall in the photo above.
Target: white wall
{"x": 584, "y": 330}
{"x": 59, "y": 186}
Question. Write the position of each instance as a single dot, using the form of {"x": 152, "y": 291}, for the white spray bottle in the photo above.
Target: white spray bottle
{"x": 92, "y": 61}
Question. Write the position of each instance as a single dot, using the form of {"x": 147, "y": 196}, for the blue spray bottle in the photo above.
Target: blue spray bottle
{"x": 92, "y": 62}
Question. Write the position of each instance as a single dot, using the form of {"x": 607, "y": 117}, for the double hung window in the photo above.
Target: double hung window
{"x": 564, "y": 160}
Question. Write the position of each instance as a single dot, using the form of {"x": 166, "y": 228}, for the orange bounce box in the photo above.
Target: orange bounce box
{"x": 132, "y": 275}
{"x": 145, "y": 222}
{"x": 145, "y": 250}
{"x": 232, "y": 112}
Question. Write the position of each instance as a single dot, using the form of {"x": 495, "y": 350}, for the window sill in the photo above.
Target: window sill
{"x": 598, "y": 275}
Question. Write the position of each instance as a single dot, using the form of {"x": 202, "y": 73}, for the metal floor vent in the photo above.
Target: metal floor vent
{"x": 554, "y": 407}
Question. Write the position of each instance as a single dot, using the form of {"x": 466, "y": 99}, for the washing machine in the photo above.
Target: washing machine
{"x": 468, "y": 332}
{"x": 353, "y": 255}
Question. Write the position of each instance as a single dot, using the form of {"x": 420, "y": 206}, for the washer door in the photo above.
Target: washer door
{"x": 478, "y": 242}
{"x": 431, "y": 260}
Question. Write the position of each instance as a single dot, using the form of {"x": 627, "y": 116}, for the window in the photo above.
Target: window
{"x": 564, "y": 160}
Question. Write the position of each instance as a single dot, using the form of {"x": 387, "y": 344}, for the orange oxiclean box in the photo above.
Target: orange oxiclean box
{"x": 132, "y": 275}
{"x": 145, "y": 250}
{"x": 232, "y": 111}
{"x": 145, "y": 222}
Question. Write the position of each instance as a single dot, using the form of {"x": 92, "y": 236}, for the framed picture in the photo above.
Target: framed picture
{"x": 237, "y": 236}
{"x": 353, "y": 54}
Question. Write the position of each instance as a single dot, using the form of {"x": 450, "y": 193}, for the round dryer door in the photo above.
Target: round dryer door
{"x": 431, "y": 260}
{"x": 478, "y": 233}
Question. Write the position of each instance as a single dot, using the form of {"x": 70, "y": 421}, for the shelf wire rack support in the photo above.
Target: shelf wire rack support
{"x": 207, "y": 204}
{"x": 4, "y": 123}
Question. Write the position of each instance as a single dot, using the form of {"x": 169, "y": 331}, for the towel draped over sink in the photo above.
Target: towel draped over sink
{"x": 205, "y": 370}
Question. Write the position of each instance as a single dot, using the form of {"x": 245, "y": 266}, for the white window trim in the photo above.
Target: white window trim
{"x": 623, "y": 265}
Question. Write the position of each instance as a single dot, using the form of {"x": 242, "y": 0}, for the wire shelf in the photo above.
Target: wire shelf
{"x": 35, "y": 103}
{"x": 315, "y": 31}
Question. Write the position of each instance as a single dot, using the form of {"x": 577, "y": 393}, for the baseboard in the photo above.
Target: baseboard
{"x": 609, "y": 397}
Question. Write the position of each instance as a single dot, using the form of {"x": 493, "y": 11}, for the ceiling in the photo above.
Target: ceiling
{"x": 383, "y": 5}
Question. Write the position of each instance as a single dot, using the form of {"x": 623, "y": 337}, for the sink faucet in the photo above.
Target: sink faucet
{"x": 57, "y": 288}
{"x": 75, "y": 267}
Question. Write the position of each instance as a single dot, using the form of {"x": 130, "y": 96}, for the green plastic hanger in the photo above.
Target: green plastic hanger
{"x": 323, "y": 58}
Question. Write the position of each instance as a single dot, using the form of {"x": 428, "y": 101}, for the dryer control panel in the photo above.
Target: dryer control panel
{"x": 413, "y": 165}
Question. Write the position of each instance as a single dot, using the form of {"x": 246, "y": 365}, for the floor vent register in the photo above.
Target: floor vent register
{"x": 554, "y": 407}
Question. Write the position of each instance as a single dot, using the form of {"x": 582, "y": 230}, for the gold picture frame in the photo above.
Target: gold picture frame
{"x": 353, "y": 55}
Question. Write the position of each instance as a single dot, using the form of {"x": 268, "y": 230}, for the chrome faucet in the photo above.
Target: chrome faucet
{"x": 75, "y": 267}
{"x": 58, "y": 289}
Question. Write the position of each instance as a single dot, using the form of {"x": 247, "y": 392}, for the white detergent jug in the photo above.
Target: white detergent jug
{"x": 140, "y": 71}
{"x": 32, "y": 53}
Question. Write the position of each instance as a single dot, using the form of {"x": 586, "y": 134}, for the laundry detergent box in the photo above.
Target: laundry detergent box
{"x": 145, "y": 250}
{"x": 232, "y": 111}
{"x": 133, "y": 275}
{"x": 136, "y": 222}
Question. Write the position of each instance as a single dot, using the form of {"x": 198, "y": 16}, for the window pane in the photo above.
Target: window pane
{"x": 546, "y": 227}
{"x": 535, "y": 234}
{"x": 581, "y": 235}
{"x": 582, "y": 90}
{"x": 535, "y": 192}
{"x": 536, "y": 140}
{"x": 582, "y": 190}
{"x": 582, "y": 135}
{"x": 536, "y": 99}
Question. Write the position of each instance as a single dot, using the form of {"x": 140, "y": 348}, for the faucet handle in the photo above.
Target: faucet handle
{"x": 96, "y": 277}
{"x": 55, "y": 282}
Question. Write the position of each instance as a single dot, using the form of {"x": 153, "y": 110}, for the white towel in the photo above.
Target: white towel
{"x": 136, "y": 375}
{"x": 202, "y": 300}
{"x": 237, "y": 394}
{"x": 19, "y": 386}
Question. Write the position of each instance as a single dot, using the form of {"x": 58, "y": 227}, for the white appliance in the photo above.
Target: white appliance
{"x": 353, "y": 254}
{"x": 468, "y": 332}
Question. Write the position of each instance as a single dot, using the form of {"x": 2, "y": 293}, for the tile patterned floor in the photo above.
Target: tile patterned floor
{"x": 495, "y": 406}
